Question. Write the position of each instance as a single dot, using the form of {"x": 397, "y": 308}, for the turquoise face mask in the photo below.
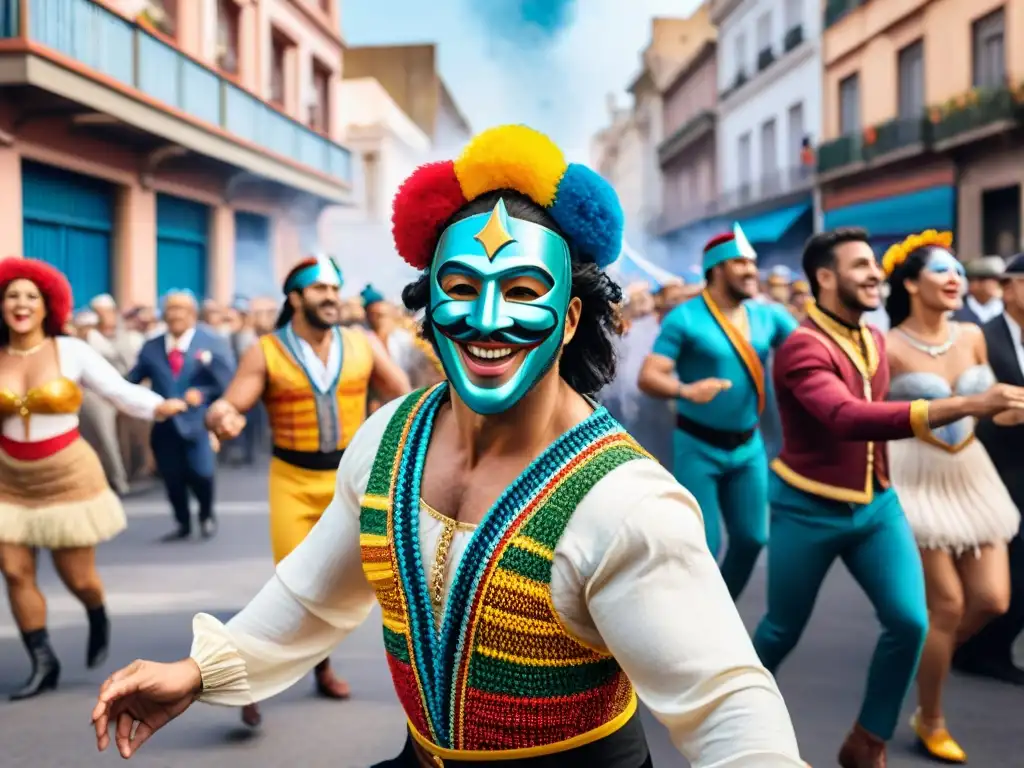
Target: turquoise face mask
{"x": 485, "y": 320}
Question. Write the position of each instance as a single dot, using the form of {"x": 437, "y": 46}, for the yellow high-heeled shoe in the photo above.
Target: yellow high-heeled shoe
{"x": 937, "y": 744}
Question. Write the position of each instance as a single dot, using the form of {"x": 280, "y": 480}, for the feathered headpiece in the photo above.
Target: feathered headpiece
{"x": 514, "y": 157}
{"x": 897, "y": 254}
{"x": 52, "y": 284}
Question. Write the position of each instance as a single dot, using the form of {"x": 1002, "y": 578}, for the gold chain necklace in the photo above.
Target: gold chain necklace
{"x": 26, "y": 352}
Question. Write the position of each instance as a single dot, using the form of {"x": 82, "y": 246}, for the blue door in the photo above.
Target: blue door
{"x": 254, "y": 268}
{"x": 182, "y": 234}
{"x": 68, "y": 221}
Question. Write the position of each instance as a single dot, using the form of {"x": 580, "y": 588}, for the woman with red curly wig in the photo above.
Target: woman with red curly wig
{"x": 53, "y": 492}
{"x": 537, "y": 571}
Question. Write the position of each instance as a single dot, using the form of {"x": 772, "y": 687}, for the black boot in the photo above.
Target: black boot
{"x": 99, "y": 637}
{"x": 45, "y": 667}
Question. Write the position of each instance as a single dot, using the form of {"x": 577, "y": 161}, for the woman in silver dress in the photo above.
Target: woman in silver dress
{"x": 960, "y": 511}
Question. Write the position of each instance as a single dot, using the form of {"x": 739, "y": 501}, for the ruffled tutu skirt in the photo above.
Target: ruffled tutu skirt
{"x": 953, "y": 501}
{"x": 59, "y": 501}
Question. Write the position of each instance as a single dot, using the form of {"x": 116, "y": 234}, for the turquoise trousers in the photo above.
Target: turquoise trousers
{"x": 875, "y": 543}
{"x": 730, "y": 486}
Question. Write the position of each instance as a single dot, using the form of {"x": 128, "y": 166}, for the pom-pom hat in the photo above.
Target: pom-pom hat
{"x": 515, "y": 157}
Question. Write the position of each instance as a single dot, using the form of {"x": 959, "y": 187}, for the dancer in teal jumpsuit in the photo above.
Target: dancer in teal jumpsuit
{"x": 711, "y": 356}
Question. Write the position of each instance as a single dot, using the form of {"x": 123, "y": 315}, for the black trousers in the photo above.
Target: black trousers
{"x": 995, "y": 641}
{"x": 625, "y": 748}
{"x": 408, "y": 760}
{"x": 184, "y": 466}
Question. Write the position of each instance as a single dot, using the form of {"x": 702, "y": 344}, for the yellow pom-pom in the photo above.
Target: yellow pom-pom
{"x": 511, "y": 157}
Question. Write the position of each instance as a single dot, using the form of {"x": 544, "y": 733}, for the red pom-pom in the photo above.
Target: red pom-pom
{"x": 718, "y": 240}
{"x": 427, "y": 199}
{"x": 51, "y": 283}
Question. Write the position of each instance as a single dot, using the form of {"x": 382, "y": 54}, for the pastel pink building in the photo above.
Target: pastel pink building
{"x": 156, "y": 144}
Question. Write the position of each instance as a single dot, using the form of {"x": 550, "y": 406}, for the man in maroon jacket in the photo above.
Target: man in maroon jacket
{"x": 830, "y": 491}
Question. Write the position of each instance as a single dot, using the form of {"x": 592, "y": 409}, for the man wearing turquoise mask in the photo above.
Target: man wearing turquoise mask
{"x": 523, "y": 548}
{"x": 711, "y": 358}
{"x": 499, "y": 299}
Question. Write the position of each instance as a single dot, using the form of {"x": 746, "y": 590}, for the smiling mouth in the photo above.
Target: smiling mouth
{"x": 22, "y": 315}
{"x": 491, "y": 360}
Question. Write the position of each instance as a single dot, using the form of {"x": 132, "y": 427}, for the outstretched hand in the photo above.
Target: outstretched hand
{"x": 705, "y": 390}
{"x": 142, "y": 698}
{"x": 169, "y": 408}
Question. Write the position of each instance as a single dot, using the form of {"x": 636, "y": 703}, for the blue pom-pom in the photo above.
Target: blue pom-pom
{"x": 588, "y": 211}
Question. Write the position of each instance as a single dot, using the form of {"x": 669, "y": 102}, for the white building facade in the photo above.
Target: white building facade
{"x": 769, "y": 119}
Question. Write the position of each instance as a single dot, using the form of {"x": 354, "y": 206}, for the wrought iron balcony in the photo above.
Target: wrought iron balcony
{"x": 884, "y": 141}
{"x": 793, "y": 38}
{"x": 836, "y": 10}
{"x": 87, "y": 38}
{"x": 975, "y": 110}
{"x": 839, "y": 153}
{"x": 765, "y": 59}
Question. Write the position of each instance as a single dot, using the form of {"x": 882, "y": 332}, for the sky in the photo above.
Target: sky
{"x": 547, "y": 63}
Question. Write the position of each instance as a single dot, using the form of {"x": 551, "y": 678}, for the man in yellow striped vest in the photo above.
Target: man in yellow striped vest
{"x": 313, "y": 377}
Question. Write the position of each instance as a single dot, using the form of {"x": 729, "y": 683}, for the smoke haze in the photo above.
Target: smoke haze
{"x": 529, "y": 24}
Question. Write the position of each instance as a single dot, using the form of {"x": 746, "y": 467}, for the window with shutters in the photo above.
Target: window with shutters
{"x": 989, "y": 58}
{"x": 849, "y": 104}
{"x": 769, "y": 149}
{"x": 743, "y": 158}
{"x": 795, "y": 132}
{"x": 228, "y": 20}
{"x": 911, "y": 80}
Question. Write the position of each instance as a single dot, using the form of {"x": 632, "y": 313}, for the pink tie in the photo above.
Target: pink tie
{"x": 176, "y": 358}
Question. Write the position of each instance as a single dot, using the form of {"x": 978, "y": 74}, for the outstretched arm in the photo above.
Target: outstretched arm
{"x": 804, "y": 367}
{"x": 659, "y": 603}
{"x": 658, "y": 374}
{"x": 246, "y": 388}
{"x": 315, "y": 599}
{"x": 102, "y": 378}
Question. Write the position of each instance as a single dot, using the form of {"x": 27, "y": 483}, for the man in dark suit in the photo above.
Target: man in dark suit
{"x": 982, "y": 302}
{"x": 195, "y": 364}
{"x": 990, "y": 652}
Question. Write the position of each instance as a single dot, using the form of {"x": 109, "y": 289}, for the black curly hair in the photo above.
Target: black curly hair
{"x": 588, "y": 361}
{"x": 897, "y": 306}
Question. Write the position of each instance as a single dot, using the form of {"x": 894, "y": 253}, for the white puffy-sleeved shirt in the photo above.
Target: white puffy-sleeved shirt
{"x": 85, "y": 366}
{"x": 632, "y": 575}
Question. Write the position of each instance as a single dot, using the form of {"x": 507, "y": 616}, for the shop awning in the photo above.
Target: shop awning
{"x": 771, "y": 226}
{"x": 932, "y": 208}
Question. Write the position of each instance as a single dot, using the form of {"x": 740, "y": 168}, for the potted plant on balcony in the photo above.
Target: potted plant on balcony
{"x": 974, "y": 109}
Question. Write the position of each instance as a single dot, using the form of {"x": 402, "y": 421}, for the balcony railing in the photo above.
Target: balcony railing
{"x": 783, "y": 181}
{"x": 737, "y": 82}
{"x": 835, "y": 10}
{"x": 975, "y": 110}
{"x": 765, "y": 59}
{"x": 685, "y": 135}
{"x": 121, "y": 50}
{"x": 793, "y": 38}
{"x": 874, "y": 143}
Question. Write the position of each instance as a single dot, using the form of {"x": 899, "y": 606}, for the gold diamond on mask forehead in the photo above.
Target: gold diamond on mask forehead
{"x": 493, "y": 237}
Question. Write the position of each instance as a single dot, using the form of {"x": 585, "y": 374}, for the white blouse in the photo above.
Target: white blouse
{"x": 83, "y": 365}
{"x": 632, "y": 575}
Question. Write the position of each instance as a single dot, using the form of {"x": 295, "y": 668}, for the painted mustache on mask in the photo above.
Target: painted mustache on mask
{"x": 461, "y": 329}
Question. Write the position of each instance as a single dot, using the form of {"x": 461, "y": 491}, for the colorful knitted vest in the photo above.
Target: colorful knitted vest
{"x": 502, "y": 673}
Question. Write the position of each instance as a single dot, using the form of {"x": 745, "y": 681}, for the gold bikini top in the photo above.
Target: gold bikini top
{"x": 59, "y": 396}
